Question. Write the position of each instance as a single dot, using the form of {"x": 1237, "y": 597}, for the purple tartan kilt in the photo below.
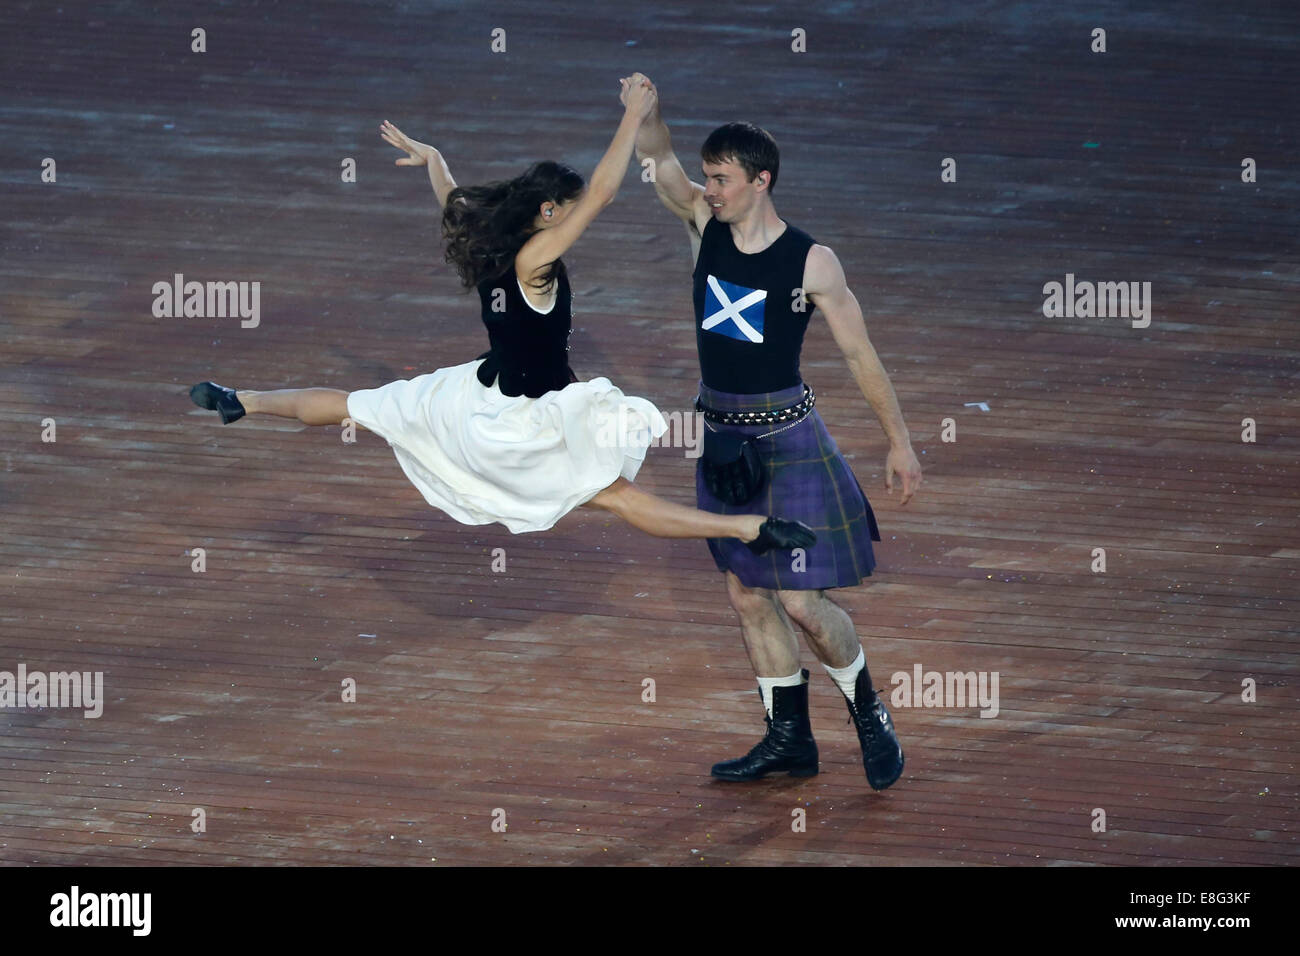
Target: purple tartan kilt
{"x": 808, "y": 480}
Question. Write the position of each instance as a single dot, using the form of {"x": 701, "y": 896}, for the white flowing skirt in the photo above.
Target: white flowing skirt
{"x": 484, "y": 457}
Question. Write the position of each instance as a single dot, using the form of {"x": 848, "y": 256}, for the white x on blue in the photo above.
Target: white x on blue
{"x": 717, "y": 296}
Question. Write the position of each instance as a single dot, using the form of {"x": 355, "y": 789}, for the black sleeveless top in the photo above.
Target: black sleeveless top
{"x": 748, "y": 323}
{"x": 530, "y": 351}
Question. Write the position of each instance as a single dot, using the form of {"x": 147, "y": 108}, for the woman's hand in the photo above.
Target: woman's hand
{"x": 419, "y": 152}
{"x": 626, "y": 83}
{"x": 638, "y": 96}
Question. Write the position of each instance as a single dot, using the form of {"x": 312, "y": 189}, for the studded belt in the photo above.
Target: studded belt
{"x": 795, "y": 412}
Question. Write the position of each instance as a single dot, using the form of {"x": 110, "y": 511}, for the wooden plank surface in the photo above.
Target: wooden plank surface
{"x": 522, "y": 690}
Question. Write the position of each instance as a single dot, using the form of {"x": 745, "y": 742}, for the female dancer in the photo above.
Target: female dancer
{"x": 513, "y": 437}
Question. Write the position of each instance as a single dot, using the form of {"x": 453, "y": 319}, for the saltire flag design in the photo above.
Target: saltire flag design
{"x": 733, "y": 310}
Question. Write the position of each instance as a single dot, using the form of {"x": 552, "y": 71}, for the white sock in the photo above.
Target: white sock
{"x": 765, "y": 685}
{"x": 847, "y": 677}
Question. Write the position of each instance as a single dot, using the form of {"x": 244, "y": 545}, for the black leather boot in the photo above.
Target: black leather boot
{"x": 788, "y": 745}
{"x": 882, "y": 756}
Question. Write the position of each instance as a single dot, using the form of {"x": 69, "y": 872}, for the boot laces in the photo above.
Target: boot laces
{"x": 763, "y": 747}
{"x": 864, "y": 720}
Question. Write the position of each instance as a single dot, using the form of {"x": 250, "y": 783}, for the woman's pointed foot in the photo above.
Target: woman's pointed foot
{"x": 779, "y": 534}
{"x": 219, "y": 399}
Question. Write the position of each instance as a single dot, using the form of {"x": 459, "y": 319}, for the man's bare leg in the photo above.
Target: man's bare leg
{"x": 773, "y": 648}
{"x": 834, "y": 640}
{"x": 770, "y": 641}
{"x": 829, "y": 629}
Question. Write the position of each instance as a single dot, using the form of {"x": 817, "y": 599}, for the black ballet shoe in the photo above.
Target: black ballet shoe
{"x": 220, "y": 399}
{"x": 779, "y": 534}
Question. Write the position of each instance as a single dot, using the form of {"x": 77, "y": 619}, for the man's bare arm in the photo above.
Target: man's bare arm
{"x": 827, "y": 289}
{"x": 673, "y": 187}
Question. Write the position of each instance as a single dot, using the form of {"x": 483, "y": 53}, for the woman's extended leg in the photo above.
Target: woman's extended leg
{"x": 311, "y": 406}
{"x": 663, "y": 519}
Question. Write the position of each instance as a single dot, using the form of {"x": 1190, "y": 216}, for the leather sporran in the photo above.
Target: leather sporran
{"x": 733, "y": 472}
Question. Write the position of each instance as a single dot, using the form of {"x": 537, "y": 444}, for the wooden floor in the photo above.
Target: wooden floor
{"x": 521, "y": 691}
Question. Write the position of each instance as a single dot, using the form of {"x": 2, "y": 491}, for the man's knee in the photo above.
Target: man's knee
{"x": 749, "y": 602}
{"x": 804, "y": 607}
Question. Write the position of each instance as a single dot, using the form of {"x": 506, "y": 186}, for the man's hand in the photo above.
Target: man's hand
{"x": 902, "y": 460}
{"x": 419, "y": 153}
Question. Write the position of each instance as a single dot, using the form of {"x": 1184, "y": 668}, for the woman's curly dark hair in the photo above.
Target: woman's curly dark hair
{"x": 486, "y": 226}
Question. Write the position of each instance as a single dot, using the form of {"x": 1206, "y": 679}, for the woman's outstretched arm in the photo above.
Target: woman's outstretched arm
{"x": 421, "y": 154}
{"x": 548, "y": 245}
{"x": 612, "y": 167}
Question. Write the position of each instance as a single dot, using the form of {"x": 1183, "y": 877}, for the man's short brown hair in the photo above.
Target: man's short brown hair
{"x": 748, "y": 146}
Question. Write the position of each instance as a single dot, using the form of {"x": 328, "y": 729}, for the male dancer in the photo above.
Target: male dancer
{"x": 755, "y": 277}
